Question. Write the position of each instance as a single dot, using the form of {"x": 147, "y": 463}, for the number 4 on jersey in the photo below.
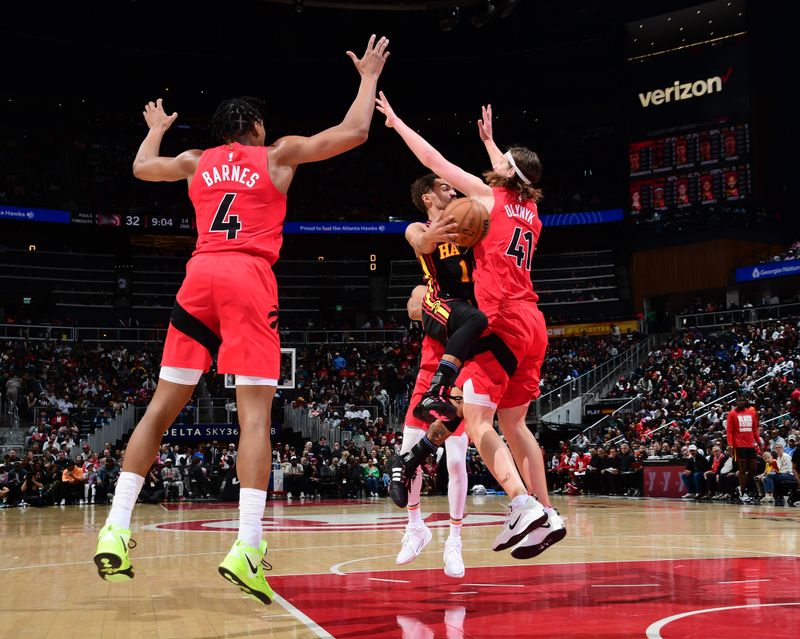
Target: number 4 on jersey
{"x": 231, "y": 225}
{"x": 516, "y": 249}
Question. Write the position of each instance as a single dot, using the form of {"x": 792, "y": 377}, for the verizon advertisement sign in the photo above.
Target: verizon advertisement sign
{"x": 688, "y": 88}
{"x": 684, "y": 90}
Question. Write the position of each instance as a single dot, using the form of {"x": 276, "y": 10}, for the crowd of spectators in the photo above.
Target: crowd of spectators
{"x": 791, "y": 253}
{"x": 716, "y": 306}
{"x": 63, "y": 391}
{"x": 678, "y": 404}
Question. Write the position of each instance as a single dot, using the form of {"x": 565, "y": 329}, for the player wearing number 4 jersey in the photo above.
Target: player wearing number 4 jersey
{"x": 227, "y": 306}
{"x": 504, "y": 378}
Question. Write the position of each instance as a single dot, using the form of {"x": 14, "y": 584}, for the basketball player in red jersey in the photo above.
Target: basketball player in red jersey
{"x": 451, "y": 323}
{"x": 504, "y": 378}
{"x": 227, "y": 305}
{"x": 741, "y": 430}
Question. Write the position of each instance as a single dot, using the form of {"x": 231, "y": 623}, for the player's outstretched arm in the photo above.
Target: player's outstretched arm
{"x": 467, "y": 183}
{"x": 353, "y": 130}
{"x": 486, "y": 132}
{"x": 148, "y": 164}
{"x": 424, "y": 238}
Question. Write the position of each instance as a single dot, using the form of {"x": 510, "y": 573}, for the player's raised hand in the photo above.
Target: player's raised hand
{"x": 442, "y": 230}
{"x": 371, "y": 63}
{"x": 485, "y": 123}
{"x": 382, "y": 104}
{"x": 156, "y": 117}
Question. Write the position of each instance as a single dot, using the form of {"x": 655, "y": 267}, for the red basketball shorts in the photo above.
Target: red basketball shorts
{"x": 227, "y": 307}
{"x": 432, "y": 351}
{"x": 506, "y": 370}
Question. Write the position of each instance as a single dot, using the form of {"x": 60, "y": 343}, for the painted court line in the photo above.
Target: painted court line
{"x": 498, "y": 585}
{"x": 743, "y": 581}
{"x": 624, "y": 585}
{"x": 307, "y": 621}
{"x": 465, "y": 592}
{"x": 654, "y": 629}
{"x": 394, "y": 581}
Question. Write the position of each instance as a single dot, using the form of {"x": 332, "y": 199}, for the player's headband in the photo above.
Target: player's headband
{"x": 513, "y": 164}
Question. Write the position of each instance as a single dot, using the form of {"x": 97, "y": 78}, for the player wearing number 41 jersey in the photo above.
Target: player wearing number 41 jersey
{"x": 227, "y": 306}
{"x": 503, "y": 375}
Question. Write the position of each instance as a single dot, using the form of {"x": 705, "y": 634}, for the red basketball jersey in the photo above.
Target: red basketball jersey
{"x": 237, "y": 206}
{"x": 742, "y": 428}
{"x": 503, "y": 258}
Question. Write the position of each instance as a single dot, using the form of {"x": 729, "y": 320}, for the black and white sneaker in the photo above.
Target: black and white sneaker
{"x": 435, "y": 404}
{"x": 520, "y": 521}
{"x": 536, "y": 542}
{"x": 399, "y": 484}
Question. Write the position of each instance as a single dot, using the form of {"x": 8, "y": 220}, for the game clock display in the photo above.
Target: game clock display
{"x": 166, "y": 223}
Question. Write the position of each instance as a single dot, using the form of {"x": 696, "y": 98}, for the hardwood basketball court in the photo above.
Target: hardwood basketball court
{"x": 628, "y": 568}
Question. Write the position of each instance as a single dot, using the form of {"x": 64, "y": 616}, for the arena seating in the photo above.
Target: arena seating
{"x": 572, "y": 286}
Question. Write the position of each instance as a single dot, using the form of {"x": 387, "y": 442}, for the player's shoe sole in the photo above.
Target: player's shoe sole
{"x": 540, "y": 539}
{"x": 243, "y": 567}
{"x": 433, "y": 407}
{"x": 111, "y": 557}
{"x": 525, "y": 519}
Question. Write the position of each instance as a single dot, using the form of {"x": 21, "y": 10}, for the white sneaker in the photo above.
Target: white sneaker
{"x": 520, "y": 521}
{"x": 63, "y": 501}
{"x": 302, "y": 495}
{"x": 768, "y": 499}
{"x": 745, "y": 498}
{"x": 416, "y": 538}
{"x": 688, "y": 496}
{"x": 542, "y": 538}
{"x": 453, "y": 563}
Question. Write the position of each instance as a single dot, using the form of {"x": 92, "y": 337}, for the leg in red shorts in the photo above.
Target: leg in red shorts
{"x": 226, "y": 308}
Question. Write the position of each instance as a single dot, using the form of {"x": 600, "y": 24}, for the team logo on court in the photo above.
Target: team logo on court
{"x": 330, "y": 522}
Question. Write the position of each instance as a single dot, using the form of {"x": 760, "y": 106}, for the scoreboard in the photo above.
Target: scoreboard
{"x": 155, "y": 223}
{"x": 685, "y": 173}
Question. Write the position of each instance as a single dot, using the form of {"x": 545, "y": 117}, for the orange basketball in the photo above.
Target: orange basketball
{"x": 472, "y": 220}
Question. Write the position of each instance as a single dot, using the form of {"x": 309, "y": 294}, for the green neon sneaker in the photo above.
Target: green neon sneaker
{"x": 111, "y": 557}
{"x": 244, "y": 567}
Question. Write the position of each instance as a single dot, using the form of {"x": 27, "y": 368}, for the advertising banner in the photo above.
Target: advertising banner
{"x": 663, "y": 480}
{"x": 689, "y": 87}
{"x": 767, "y": 271}
{"x": 595, "y": 328}
{"x": 33, "y": 215}
{"x": 200, "y": 433}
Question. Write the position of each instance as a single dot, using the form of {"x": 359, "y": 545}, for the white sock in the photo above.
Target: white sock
{"x": 251, "y": 511}
{"x": 415, "y": 515}
{"x": 458, "y": 482}
{"x": 125, "y": 495}
{"x": 520, "y": 500}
